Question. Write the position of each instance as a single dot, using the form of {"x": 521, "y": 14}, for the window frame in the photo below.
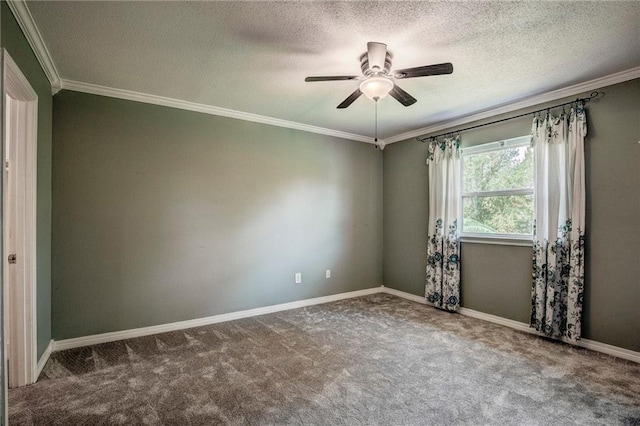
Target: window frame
{"x": 502, "y": 239}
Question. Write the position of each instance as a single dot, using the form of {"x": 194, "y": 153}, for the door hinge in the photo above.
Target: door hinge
{"x": 12, "y": 258}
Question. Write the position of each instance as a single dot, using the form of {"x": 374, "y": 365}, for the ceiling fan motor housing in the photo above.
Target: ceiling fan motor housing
{"x": 364, "y": 65}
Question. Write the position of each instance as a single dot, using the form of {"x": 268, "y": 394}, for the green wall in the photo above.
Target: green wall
{"x": 16, "y": 44}
{"x": 497, "y": 279}
{"x": 163, "y": 215}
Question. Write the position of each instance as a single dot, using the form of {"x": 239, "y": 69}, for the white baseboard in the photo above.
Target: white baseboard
{"x": 181, "y": 325}
{"x": 44, "y": 358}
{"x": 521, "y": 326}
{"x": 77, "y": 342}
{"x": 609, "y": 349}
{"x": 517, "y": 325}
{"x": 405, "y": 295}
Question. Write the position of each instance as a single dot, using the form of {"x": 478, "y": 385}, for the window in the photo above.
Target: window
{"x": 497, "y": 190}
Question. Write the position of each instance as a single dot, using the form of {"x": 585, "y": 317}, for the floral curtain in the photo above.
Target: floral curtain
{"x": 559, "y": 231}
{"x": 443, "y": 248}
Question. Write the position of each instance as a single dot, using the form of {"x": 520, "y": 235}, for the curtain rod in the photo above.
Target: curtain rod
{"x": 583, "y": 101}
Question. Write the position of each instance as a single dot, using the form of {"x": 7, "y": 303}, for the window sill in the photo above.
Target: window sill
{"x": 497, "y": 240}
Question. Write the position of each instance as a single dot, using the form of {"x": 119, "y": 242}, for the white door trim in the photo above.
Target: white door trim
{"x": 21, "y": 102}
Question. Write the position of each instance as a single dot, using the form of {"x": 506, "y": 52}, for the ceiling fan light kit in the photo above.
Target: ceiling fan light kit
{"x": 376, "y": 87}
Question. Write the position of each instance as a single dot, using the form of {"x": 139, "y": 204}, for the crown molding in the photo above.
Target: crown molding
{"x": 597, "y": 83}
{"x": 27, "y": 24}
{"x": 129, "y": 95}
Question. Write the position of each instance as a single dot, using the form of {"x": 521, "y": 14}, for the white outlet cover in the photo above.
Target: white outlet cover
{"x": 327, "y": 273}
{"x": 298, "y": 277}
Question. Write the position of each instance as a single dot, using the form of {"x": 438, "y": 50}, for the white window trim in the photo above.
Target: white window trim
{"x": 500, "y": 239}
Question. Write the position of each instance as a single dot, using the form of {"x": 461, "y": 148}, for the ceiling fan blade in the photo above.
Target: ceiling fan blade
{"x": 377, "y": 54}
{"x": 401, "y": 96}
{"x": 332, "y": 78}
{"x": 352, "y": 97}
{"x": 446, "y": 68}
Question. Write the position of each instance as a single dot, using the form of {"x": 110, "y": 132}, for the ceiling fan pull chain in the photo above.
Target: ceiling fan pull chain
{"x": 376, "y": 133}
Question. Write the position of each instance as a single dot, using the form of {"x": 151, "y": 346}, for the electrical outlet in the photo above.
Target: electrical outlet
{"x": 327, "y": 273}
{"x": 298, "y": 277}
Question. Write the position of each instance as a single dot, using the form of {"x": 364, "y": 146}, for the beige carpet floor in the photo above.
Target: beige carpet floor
{"x": 374, "y": 360}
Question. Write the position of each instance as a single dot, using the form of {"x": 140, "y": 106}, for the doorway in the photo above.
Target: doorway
{"x": 20, "y": 109}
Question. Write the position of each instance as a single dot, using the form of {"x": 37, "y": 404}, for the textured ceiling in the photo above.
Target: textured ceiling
{"x": 253, "y": 56}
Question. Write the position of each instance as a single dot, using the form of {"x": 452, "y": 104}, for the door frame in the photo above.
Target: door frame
{"x": 20, "y": 327}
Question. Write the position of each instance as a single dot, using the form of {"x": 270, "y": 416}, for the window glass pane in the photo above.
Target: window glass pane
{"x": 507, "y": 214}
{"x": 510, "y": 168}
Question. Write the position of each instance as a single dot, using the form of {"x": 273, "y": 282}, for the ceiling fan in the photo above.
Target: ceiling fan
{"x": 378, "y": 81}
